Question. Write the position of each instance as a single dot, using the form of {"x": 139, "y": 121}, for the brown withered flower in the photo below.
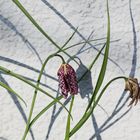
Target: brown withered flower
{"x": 67, "y": 80}
{"x": 132, "y": 85}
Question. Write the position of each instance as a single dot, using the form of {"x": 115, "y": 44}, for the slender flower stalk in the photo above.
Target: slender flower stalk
{"x": 90, "y": 111}
{"x": 60, "y": 97}
{"x": 35, "y": 93}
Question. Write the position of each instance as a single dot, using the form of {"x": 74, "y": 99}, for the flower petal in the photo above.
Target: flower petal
{"x": 67, "y": 80}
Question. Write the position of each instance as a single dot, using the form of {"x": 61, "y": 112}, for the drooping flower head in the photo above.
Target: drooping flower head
{"x": 132, "y": 85}
{"x": 67, "y": 80}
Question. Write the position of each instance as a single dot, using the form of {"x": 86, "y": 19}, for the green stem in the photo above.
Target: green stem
{"x": 4, "y": 70}
{"x": 92, "y": 63}
{"x": 52, "y": 103}
{"x": 43, "y": 111}
{"x": 69, "y": 39}
{"x": 35, "y": 93}
{"x": 28, "y": 125}
{"x": 92, "y": 102}
{"x": 63, "y": 61}
{"x": 71, "y": 105}
{"x": 88, "y": 41}
{"x": 29, "y": 118}
{"x": 68, "y": 120}
{"x": 88, "y": 113}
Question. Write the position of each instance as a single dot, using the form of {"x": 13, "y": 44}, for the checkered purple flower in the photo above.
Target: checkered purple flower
{"x": 67, "y": 80}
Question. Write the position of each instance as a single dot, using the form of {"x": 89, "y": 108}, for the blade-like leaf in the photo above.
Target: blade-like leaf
{"x": 4, "y": 70}
{"x": 35, "y": 92}
{"x": 20, "y": 6}
{"x": 44, "y": 110}
{"x": 12, "y": 91}
{"x": 88, "y": 114}
{"x": 92, "y": 63}
{"x": 88, "y": 41}
{"x": 90, "y": 108}
{"x": 69, "y": 39}
{"x": 52, "y": 103}
{"x": 104, "y": 64}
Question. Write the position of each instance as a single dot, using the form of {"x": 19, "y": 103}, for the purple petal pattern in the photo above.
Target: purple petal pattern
{"x": 67, "y": 80}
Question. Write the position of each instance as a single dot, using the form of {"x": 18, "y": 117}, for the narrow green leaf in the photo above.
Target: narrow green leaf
{"x": 35, "y": 92}
{"x": 90, "y": 109}
{"x": 44, "y": 110}
{"x": 52, "y": 103}
{"x": 103, "y": 90}
{"x": 4, "y": 70}
{"x": 12, "y": 91}
{"x": 88, "y": 114}
{"x": 92, "y": 63}
{"x": 20, "y": 6}
{"x": 69, "y": 39}
{"x": 104, "y": 64}
{"x": 76, "y": 44}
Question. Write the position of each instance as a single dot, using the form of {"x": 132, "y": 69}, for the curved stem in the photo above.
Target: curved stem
{"x": 43, "y": 111}
{"x": 88, "y": 113}
{"x": 34, "y": 97}
{"x": 4, "y": 70}
{"x": 52, "y": 103}
{"x": 35, "y": 93}
{"x": 63, "y": 61}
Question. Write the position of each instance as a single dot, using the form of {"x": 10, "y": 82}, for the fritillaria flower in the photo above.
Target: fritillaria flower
{"x": 67, "y": 80}
{"x": 132, "y": 85}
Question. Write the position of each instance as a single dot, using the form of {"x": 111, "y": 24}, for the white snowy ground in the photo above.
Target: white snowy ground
{"x": 23, "y": 49}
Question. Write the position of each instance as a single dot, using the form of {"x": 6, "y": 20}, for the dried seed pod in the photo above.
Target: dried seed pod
{"x": 67, "y": 80}
{"x": 133, "y": 86}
